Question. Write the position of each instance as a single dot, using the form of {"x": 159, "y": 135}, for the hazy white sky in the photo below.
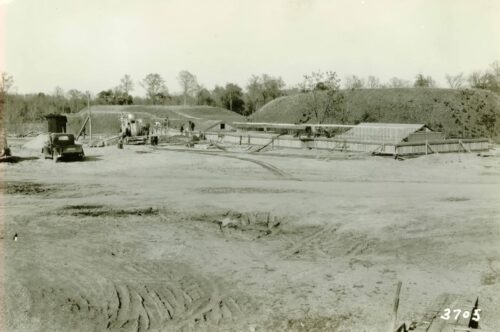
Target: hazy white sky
{"x": 91, "y": 44}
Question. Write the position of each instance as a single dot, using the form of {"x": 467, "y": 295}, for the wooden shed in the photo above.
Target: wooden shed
{"x": 56, "y": 123}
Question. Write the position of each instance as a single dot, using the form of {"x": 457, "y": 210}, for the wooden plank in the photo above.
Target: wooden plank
{"x": 463, "y": 146}
{"x": 317, "y": 125}
{"x": 395, "y": 307}
{"x": 220, "y": 147}
{"x": 430, "y": 148}
{"x": 83, "y": 127}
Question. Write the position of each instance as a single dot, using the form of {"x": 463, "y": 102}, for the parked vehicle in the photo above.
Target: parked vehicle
{"x": 62, "y": 146}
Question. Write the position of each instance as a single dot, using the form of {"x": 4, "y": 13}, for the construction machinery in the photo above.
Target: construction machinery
{"x": 133, "y": 131}
{"x": 136, "y": 131}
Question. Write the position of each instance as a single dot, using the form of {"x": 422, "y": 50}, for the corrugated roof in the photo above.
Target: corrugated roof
{"x": 384, "y": 133}
{"x": 392, "y": 125}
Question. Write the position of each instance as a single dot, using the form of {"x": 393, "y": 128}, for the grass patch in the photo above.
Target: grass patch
{"x": 247, "y": 190}
{"x": 106, "y": 211}
{"x": 24, "y": 188}
{"x": 456, "y": 199}
{"x": 106, "y": 119}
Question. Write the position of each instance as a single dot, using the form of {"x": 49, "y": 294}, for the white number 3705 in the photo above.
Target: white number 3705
{"x": 455, "y": 314}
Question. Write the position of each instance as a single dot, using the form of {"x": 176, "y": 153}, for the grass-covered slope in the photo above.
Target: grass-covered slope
{"x": 106, "y": 119}
{"x": 469, "y": 113}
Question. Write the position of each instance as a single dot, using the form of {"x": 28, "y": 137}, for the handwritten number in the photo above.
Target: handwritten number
{"x": 446, "y": 314}
{"x": 475, "y": 315}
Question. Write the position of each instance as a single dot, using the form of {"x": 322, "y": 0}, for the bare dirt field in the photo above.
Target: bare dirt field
{"x": 164, "y": 239}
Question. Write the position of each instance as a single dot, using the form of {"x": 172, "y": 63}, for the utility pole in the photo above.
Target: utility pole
{"x": 90, "y": 116}
{"x": 230, "y": 100}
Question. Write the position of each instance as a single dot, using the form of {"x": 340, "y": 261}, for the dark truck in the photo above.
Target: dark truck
{"x": 62, "y": 146}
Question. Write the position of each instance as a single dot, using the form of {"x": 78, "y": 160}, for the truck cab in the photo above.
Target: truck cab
{"x": 62, "y": 146}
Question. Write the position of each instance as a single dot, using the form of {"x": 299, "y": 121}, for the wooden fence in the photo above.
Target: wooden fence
{"x": 322, "y": 143}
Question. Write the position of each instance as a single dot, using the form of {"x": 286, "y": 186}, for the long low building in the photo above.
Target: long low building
{"x": 377, "y": 138}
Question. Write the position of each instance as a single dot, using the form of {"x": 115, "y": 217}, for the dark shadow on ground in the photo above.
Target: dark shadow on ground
{"x": 15, "y": 159}
{"x": 87, "y": 158}
{"x": 92, "y": 158}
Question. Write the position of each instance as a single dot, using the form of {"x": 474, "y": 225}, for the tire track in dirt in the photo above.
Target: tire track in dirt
{"x": 105, "y": 290}
{"x": 174, "y": 305}
{"x": 327, "y": 243}
{"x": 155, "y": 297}
{"x": 195, "y": 313}
{"x": 312, "y": 244}
{"x": 273, "y": 169}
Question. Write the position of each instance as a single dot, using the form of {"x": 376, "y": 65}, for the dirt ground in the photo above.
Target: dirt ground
{"x": 163, "y": 239}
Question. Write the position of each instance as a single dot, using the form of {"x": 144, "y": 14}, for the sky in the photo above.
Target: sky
{"x": 91, "y": 44}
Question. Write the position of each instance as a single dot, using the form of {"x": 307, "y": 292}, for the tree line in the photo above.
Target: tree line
{"x": 488, "y": 79}
{"x": 259, "y": 90}
{"x": 264, "y": 88}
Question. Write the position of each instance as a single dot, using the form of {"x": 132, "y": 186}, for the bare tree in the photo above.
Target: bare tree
{"x": 396, "y": 82}
{"x": 75, "y": 99}
{"x": 75, "y": 94}
{"x": 353, "y": 82}
{"x": 422, "y": 81}
{"x": 59, "y": 92}
{"x": 126, "y": 84}
{"x": 455, "y": 81}
{"x": 156, "y": 90}
{"x": 494, "y": 78}
{"x": 373, "y": 82}
{"x": 324, "y": 98}
{"x": 188, "y": 83}
{"x": 261, "y": 90}
{"x": 6, "y": 83}
{"x": 477, "y": 80}
{"x": 488, "y": 80}
{"x": 495, "y": 68}
{"x": 204, "y": 97}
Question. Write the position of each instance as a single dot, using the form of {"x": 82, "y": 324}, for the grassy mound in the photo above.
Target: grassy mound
{"x": 106, "y": 119}
{"x": 458, "y": 113}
